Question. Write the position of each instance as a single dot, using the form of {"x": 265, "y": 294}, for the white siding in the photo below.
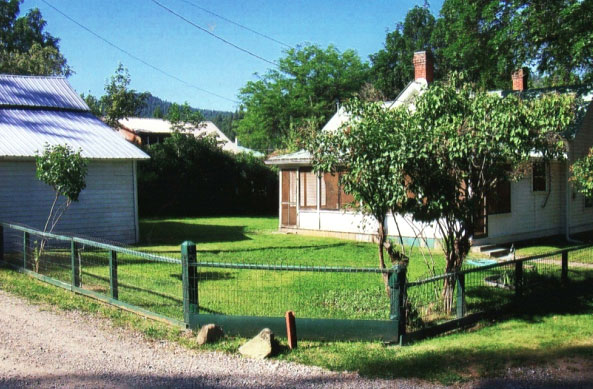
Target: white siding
{"x": 106, "y": 208}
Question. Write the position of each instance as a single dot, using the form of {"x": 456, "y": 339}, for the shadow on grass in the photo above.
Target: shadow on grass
{"x": 204, "y": 276}
{"x": 450, "y": 363}
{"x": 174, "y": 233}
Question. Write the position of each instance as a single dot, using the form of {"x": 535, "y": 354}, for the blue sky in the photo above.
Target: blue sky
{"x": 161, "y": 39}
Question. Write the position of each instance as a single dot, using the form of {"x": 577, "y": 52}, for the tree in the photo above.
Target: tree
{"x": 157, "y": 113}
{"x": 308, "y": 84}
{"x": 182, "y": 116}
{"x": 25, "y": 48}
{"x": 371, "y": 152}
{"x": 392, "y": 66}
{"x": 93, "y": 103}
{"x": 120, "y": 102}
{"x": 582, "y": 175}
{"x": 64, "y": 170}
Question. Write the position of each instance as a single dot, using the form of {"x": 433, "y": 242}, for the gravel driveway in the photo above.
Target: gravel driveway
{"x": 42, "y": 348}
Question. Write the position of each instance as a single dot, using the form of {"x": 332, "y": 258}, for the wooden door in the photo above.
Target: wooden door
{"x": 289, "y": 198}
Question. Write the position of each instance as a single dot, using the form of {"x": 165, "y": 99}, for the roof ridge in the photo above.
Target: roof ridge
{"x": 29, "y": 76}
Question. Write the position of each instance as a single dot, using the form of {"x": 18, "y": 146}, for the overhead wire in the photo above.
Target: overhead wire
{"x": 237, "y": 24}
{"x": 138, "y": 58}
{"x": 213, "y": 34}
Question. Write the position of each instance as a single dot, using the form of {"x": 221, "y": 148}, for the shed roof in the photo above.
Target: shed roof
{"x": 35, "y": 111}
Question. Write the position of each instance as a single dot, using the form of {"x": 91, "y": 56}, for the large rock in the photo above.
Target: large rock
{"x": 261, "y": 346}
{"x": 209, "y": 333}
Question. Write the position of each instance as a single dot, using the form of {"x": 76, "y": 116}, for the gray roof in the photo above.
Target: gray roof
{"x": 35, "y": 111}
{"x": 37, "y": 91}
{"x": 301, "y": 157}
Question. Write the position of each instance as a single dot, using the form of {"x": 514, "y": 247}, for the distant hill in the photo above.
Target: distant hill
{"x": 156, "y": 107}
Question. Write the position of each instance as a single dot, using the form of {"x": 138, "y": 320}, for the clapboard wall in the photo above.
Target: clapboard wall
{"x": 106, "y": 208}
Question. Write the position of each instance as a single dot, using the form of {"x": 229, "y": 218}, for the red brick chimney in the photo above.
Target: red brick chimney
{"x": 423, "y": 66}
{"x": 520, "y": 79}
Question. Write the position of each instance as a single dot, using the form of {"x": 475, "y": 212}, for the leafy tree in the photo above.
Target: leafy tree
{"x": 582, "y": 175}
{"x": 182, "y": 116}
{"x": 25, "y": 48}
{"x": 63, "y": 169}
{"x": 158, "y": 112}
{"x": 120, "y": 102}
{"x": 392, "y": 67}
{"x": 371, "y": 152}
{"x": 93, "y": 103}
{"x": 308, "y": 84}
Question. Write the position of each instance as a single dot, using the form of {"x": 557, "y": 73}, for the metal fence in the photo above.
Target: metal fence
{"x": 329, "y": 302}
{"x": 486, "y": 289}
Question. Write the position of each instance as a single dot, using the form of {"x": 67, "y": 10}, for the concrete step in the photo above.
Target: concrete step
{"x": 498, "y": 253}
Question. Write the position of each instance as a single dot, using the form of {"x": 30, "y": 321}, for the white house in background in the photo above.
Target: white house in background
{"x": 147, "y": 131}
{"x": 541, "y": 204}
{"x": 35, "y": 111}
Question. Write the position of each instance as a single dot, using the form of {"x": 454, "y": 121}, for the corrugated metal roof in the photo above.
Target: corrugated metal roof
{"x": 38, "y": 91}
{"x": 24, "y": 132}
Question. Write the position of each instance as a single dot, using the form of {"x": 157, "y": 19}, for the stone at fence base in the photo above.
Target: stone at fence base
{"x": 260, "y": 346}
{"x": 209, "y": 333}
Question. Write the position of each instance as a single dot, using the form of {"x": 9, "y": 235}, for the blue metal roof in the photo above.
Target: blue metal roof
{"x": 38, "y": 91}
{"x": 35, "y": 111}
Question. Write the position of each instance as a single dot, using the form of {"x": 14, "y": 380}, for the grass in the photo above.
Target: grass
{"x": 536, "y": 334}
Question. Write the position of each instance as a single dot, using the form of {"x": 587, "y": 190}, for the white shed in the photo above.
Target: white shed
{"x": 35, "y": 111}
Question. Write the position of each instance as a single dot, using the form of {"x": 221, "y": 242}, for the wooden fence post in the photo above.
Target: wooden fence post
{"x": 189, "y": 276}
{"x": 564, "y": 276}
{"x": 518, "y": 279}
{"x": 460, "y": 295}
{"x": 26, "y": 245}
{"x": 74, "y": 264}
{"x": 113, "y": 284}
{"x": 397, "y": 288}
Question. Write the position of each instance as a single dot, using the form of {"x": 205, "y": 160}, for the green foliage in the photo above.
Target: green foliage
{"x": 193, "y": 176}
{"x": 158, "y": 112}
{"x": 307, "y": 85}
{"x": 582, "y": 175}
{"x": 93, "y": 103}
{"x": 63, "y": 169}
{"x": 392, "y": 67}
{"x": 120, "y": 102}
{"x": 25, "y": 48}
{"x": 182, "y": 116}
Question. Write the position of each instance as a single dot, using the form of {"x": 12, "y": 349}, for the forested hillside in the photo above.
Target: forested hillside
{"x": 156, "y": 107}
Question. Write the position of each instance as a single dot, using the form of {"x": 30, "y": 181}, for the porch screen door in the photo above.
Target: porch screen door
{"x": 289, "y": 198}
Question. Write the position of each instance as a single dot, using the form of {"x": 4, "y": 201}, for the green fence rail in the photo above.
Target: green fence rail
{"x": 330, "y": 302}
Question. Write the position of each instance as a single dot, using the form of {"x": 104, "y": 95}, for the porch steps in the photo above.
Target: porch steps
{"x": 492, "y": 251}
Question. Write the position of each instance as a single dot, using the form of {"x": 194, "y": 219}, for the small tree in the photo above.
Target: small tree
{"x": 582, "y": 175}
{"x": 120, "y": 102}
{"x": 65, "y": 171}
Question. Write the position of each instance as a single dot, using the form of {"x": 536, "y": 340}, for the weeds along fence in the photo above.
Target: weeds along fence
{"x": 481, "y": 290}
{"x": 330, "y": 302}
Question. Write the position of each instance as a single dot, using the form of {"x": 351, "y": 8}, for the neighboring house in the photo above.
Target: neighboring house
{"x": 541, "y": 204}
{"x": 147, "y": 131}
{"x": 35, "y": 111}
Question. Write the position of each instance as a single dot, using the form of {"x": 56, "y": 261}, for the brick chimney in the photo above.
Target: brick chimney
{"x": 423, "y": 66}
{"x": 520, "y": 79}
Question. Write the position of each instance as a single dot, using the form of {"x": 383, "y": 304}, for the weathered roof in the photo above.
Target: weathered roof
{"x": 35, "y": 111}
{"x": 162, "y": 126}
{"x": 37, "y": 91}
{"x": 301, "y": 157}
{"x": 24, "y": 133}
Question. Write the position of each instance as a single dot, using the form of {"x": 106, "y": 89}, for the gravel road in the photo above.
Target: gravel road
{"x": 42, "y": 349}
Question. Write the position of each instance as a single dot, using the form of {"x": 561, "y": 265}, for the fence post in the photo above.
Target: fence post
{"x": 189, "y": 276}
{"x": 74, "y": 264}
{"x": 397, "y": 288}
{"x": 564, "y": 276}
{"x": 518, "y": 279}
{"x": 26, "y": 245}
{"x": 113, "y": 285}
{"x": 460, "y": 295}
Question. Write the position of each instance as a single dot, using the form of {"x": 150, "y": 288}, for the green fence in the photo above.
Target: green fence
{"x": 329, "y": 302}
{"x": 488, "y": 289}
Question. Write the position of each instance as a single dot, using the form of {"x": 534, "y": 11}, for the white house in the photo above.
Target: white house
{"x": 35, "y": 111}
{"x": 541, "y": 204}
{"x": 146, "y": 131}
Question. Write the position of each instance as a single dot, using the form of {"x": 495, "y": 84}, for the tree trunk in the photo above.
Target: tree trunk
{"x": 455, "y": 255}
{"x": 385, "y": 276}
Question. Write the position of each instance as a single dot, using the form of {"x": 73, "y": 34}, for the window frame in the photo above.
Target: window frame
{"x": 544, "y": 176}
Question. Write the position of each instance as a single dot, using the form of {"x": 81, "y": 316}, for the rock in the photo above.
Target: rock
{"x": 209, "y": 333}
{"x": 260, "y": 346}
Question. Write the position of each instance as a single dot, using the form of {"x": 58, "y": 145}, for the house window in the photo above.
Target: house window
{"x": 499, "y": 199}
{"x": 308, "y": 189}
{"x": 539, "y": 176}
{"x": 333, "y": 196}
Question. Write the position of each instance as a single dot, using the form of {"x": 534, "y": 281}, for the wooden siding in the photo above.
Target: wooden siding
{"x": 106, "y": 208}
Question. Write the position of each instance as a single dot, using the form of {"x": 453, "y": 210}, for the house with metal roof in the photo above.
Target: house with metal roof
{"x": 35, "y": 111}
{"x": 147, "y": 131}
{"x": 543, "y": 203}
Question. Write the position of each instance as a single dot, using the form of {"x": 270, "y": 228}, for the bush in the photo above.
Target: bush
{"x": 189, "y": 176}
